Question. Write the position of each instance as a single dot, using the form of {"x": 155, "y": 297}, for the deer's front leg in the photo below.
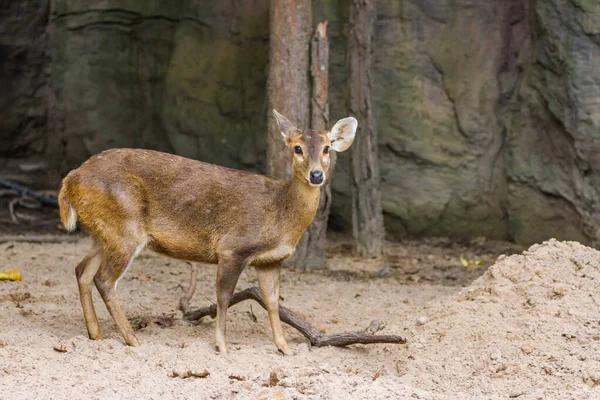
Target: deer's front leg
{"x": 268, "y": 281}
{"x": 228, "y": 273}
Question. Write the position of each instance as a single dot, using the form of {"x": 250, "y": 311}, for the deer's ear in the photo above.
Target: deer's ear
{"x": 342, "y": 134}
{"x": 288, "y": 130}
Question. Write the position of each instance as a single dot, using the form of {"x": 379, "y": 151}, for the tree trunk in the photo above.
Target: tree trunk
{"x": 310, "y": 252}
{"x": 287, "y": 83}
{"x": 367, "y": 217}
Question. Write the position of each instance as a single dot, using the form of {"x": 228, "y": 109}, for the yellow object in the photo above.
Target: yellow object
{"x": 469, "y": 263}
{"x": 10, "y": 275}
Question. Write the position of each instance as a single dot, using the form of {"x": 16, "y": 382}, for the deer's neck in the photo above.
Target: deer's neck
{"x": 302, "y": 202}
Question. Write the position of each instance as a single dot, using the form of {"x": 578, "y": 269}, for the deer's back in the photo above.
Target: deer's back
{"x": 185, "y": 208}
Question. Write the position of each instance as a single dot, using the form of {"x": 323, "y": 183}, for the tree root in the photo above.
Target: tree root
{"x": 314, "y": 336}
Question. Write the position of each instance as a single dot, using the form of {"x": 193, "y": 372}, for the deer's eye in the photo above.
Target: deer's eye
{"x": 326, "y": 150}
{"x": 298, "y": 150}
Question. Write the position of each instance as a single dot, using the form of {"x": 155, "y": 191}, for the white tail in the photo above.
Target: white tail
{"x": 71, "y": 222}
{"x": 68, "y": 215}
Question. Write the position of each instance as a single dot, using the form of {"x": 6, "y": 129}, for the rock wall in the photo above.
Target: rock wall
{"x": 487, "y": 111}
{"x": 553, "y": 126}
{"x": 488, "y": 114}
{"x": 24, "y": 65}
{"x": 180, "y": 76}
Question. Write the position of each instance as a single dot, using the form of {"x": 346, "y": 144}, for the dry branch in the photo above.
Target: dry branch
{"x": 315, "y": 337}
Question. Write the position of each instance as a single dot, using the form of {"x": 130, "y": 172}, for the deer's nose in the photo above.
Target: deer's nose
{"x": 316, "y": 177}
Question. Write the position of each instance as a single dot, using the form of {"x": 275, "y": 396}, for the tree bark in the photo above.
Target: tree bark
{"x": 367, "y": 216}
{"x": 310, "y": 251}
{"x": 287, "y": 83}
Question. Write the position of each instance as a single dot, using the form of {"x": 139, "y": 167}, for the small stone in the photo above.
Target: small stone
{"x": 527, "y": 349}
{"x": 422, "y": 320}
{"x": 496, "y": 355}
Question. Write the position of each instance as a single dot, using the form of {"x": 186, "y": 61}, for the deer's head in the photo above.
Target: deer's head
{"x": 311, "y": 148}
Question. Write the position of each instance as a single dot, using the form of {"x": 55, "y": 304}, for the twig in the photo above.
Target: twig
{"x": 11, "y": 209}
{"x": 26, "y": 217}
{"x": 42, "y": 198}
{"x": 8, "y": 192}
{"x": 60, "y": 349}
{"x": 29, "y": 202}
{"x": 378, "y": 373}
{"x": 23, "y": 201}
{"x": 315, "y": 337}
{"x": 40, "y": 239}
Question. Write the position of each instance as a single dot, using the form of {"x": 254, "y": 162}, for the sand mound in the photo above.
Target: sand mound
{"x": 528, "y": 328}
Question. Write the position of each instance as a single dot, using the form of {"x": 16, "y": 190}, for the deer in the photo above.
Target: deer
{"x": 134, "y": 199}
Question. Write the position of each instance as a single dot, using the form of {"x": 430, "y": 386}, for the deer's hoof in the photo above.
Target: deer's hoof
{"x": 221, "y": 349}
{"x": 132, "y": 341}
{"x": 286, "y": 352}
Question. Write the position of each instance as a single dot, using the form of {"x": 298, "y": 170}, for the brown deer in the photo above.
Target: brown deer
{"x": 130, "y": 199}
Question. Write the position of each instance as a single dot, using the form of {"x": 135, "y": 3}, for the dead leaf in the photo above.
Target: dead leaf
{"x": 273, "y": 379}
{"x": 165, "y": 321}
{"x": 143, "y": 323}
{"x": 19, "y": 297}
{"x": 384, "y": 271}
{"x": 375, "y": 326}
{"x": 144, "y": 277}
{"x": 61, "y": 349}
{"x": 189, "y": 374}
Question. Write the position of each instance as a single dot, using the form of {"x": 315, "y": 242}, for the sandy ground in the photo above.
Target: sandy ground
{"x": 528, "y": 328}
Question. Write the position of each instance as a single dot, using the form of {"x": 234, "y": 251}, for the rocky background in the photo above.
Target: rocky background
{"x": 487, "y": 111}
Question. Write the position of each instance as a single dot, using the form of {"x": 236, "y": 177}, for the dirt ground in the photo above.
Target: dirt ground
{"x": 527, "y": 327}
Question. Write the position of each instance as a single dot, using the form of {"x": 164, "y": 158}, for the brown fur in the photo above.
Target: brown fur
{"x": 131, "y": 198}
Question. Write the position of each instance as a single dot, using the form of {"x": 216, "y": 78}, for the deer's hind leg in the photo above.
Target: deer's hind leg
{"x": 119, "y": 257}
{"x": 85, "y": 272}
